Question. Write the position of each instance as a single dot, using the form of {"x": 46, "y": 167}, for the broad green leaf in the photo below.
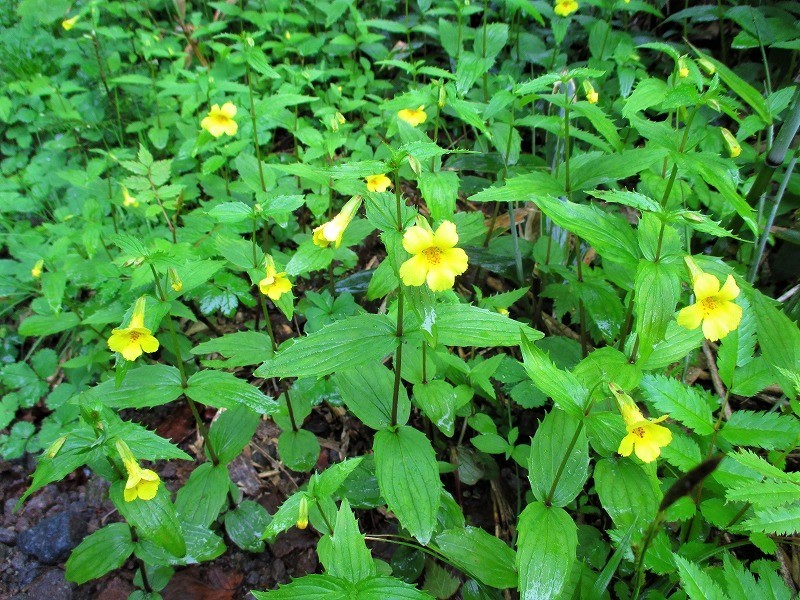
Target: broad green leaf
{"x": 53, "y": 469}
{"x": 298, "y": 450}
{"x": 658, "y": 288}
{"x": 41, "y": 325}
{"x": 150, "y": 385}
{"x": 628, "y": 493}
{"x": 521, "y": 188}
{"x": 145, "y": 444}
{"x": 310, "y": 587}
{"x": 348, "y": 556}
{"x": 231, "y": 212}
{"x": 382, "y": 588}
{"x": 203, "y": 496}
{"x": 546, "y": 550}
{"x": 154, "y": 520}
{"x": 408, "y": 475}
{"x": 440, "y": 192}
{"x": 558, "y": 465}
{"x": 245, "y": 524}
{"x": 480, "y": 555}
{"x": 783, "y": 521}
{"x": 649, "y": 92}
{"x": 367, "y": 391}
{"x": 677, "y": 343}
{"x": 344, "y": 344}
{"x": 562, "y": 386}
{"x": 104, "y": 550}
{"x": 437, "y": 399}
{"x": 231, "y": 431}
{"x": 467, "y": 325}
{"x": 224, "y": 390}
{"x": 683, "y": 403}
{"x": 610, "y": 235}
{"x": 331, "y": 479}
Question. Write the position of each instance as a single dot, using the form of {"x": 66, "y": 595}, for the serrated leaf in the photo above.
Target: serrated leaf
{"x": 698, "y": 584}
{"x": 761, "y": 429}
{"x": 683, "y": 403}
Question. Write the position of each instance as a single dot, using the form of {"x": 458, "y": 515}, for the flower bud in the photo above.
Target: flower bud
{"x": 591, "y": 94}
{"x": 302, "y": 513}
{"x": 175, "y": 280}
{"x": 707, "y": 65}
{"x": 734, "y": 148}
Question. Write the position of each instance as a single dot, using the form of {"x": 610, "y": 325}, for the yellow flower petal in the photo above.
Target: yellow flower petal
{"x": 416, "y": 239}
{"x": 228, "y": 109}
{"x": 626, "y": 445}
{"x": 456, "y": 260}
{"x": 647, "y": 452}
{"x": 730, "y": 290}
{"x": 440, "y": 279}
{"x": 378, "y": 183}
{"x": 129, "y": 494}
{"x": 148, "y": 343}
{"x": 414, "y": 271}
{"x": 446, "y": 235}
{"x": 705, "y": 285}
{"x": 690, "y": 316}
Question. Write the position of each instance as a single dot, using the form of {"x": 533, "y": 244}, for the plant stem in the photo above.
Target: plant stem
{"x": 581, "y": 308}
{"x": 762, "y": 243}
{"x": 638, "y": 578}
{"x": 563, "y": 464}
{"x": 255, "y": 129}
{"x": 398, "y": 357}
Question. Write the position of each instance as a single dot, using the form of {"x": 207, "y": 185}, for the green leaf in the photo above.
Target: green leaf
{"x": 41, "y": 325}
{"x": 440, "y": 192}
{"x": 245, "y": 524}
{"x": 783, "y": 521}
{"x": 677, "y": 343}
{"x": 349, "y": 558}
{"x": 331, "y": 479}
{"x": 628, "y": 493}
{"x": 766, "y": 430}
{"x": 467, "y": 325}
{"x": 778, "y": 338}
{"x": 610, "y": 235}
{"x": 367, "y": 391}
{"x": 53, "y": 469}
{"x": 202, "y": 497}
{"x": 231, "y": 212}
{"x": 649, "y": 92}
{"x": 310, "y": 587}
{"x": 150, "y": 385}
{"x": 437, "y": 399}
{"x": 697, "y": 583}
{"x": 765, "y": 494}
{"x": 223, "y": 390}
{"x": 546, "y": 550}
{"x": 558, "y": 466}
{"x": 154, "y": 520}
{"x": 521, "y": 188}
{"x": 658, "y": 288}
{"x": 309, "y": 257}
{"x": 382, "y": 588}
{"x": 626, "y": 198}
{"x": 145, "y": 444}
{"x": 241, "y": 348}
{"x": 683, "y": 403}
{"x": 231, "y": 431}
{"x": 480, "y": 555}
{"x": 562, "y": 386}
{"x": 408, "y": 475}
{"x": 740, "y": 87}
{"x": 99, "y": 553}
{"x": 344, "y": 344}
{"x": 299, "y": 450}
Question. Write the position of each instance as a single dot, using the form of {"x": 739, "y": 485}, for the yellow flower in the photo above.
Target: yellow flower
{"x": 127, "y": 199}
{"x": 141, "y": 483}
{"x": 275, "y": 284}
{"x": 220, "y": 120}
{"x": 332, "y": 231}
{"x": 36, "y": 271}
{"x": 378, "y": 183}
{"x": 564, "y": 8}
{"x": 413, "y": 116}
{"x": 175, "y": 281}
{"x": 591, "y": 94}
{"x": 436, "y": 259}
{"x": 683, "y": 69}
{"x": 714, "y": 308}
{"x": 68, "y": 24}
{"x": 645, "y": 436}
{"x": 135, "y": 338}
{"x": 302, "y": 513}
{"x": 733, "y": 145}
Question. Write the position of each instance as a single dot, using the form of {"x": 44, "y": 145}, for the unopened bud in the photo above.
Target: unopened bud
{"x": 733, "y": 145}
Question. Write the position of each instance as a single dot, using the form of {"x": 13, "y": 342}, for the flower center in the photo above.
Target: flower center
{"x": 433, "y": 255}
{"x": 638, "y": 431}
{"x": 709, "y": 305}
{"x": 134, "y": 335}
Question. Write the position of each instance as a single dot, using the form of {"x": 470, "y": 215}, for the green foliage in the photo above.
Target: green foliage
{"x": 591, "y": 164}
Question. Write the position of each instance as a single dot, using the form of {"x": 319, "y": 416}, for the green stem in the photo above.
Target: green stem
{"x": 628, "y": 323}
{"x": 563, "y": 463}
{"x": 271, "y": 334}
{"x": 398, "y": 360}
{"x": 424, "y": 362}
{"x": 255, "y": 129}
{"x": 581, "y": 308}
{"x": 638, "y": 578}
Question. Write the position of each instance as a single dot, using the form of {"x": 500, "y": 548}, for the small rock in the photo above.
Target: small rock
{"x": 7, "y": 536}
{"x": 51, "y": 540}
{"x": 50, "y": 584}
